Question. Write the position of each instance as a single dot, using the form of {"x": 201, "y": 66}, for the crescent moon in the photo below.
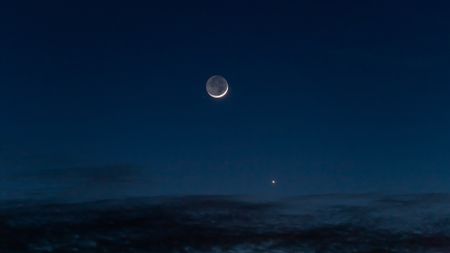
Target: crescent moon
{"x": 221, "y": 95}
{"x": 217, "y": 86}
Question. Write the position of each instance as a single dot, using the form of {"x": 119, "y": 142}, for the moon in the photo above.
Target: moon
{"x": 217, "y": 86}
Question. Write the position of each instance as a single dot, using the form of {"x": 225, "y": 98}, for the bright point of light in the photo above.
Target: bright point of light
{"x": 274, "y": 181}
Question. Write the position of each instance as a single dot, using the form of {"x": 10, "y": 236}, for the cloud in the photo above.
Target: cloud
{"x": 79, "y": 182}
{"x": 107, "y": 174}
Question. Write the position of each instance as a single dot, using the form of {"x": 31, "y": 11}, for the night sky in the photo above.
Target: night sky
{"x": 108, "y": 99}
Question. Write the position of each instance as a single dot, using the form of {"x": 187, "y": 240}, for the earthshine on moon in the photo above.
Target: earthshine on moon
{"x": 217, "y": 86}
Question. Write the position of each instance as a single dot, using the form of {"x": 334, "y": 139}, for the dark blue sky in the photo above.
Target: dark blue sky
{"x": 106, "y": 99}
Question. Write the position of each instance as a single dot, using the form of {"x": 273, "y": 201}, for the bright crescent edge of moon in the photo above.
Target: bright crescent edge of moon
{"x": 221, "y": 95}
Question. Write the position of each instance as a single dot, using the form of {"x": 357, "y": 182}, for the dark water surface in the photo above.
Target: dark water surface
{"x": 322, "y": 223}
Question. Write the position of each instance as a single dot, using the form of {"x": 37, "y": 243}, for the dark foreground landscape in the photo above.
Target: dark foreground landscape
{"x": 323, "y": 223}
